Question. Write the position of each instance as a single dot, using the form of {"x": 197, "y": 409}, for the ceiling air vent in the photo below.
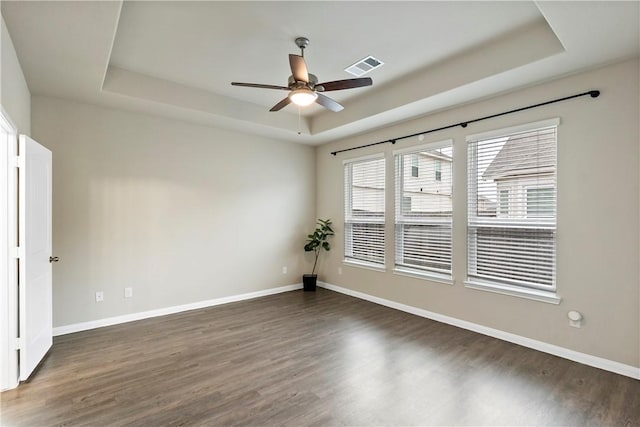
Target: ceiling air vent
{"x": 363, "y": 66}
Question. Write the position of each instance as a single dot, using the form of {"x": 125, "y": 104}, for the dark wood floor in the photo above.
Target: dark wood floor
{"x": 310, "y": 359}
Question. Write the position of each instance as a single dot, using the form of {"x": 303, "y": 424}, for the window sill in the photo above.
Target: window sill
{"x": 532, "y": 294}
{"x": 447, "y": 280}
{"x": 364, "y": 264}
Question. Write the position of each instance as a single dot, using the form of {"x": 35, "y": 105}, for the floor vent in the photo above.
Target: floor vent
{"x": 363, "y": 66}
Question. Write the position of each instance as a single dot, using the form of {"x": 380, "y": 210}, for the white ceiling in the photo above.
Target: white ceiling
{"x": 177, "y": 59}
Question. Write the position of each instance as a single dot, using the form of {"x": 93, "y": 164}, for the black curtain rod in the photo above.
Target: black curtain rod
{"x": 592, "y": 93}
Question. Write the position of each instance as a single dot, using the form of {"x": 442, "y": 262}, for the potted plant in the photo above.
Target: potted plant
{"x": 316, "y": 242}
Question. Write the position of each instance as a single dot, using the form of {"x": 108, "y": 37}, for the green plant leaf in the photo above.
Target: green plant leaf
{"x": 318, "y": 239}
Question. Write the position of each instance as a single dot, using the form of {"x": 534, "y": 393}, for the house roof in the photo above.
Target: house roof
{"x": 524, "y": 154}
{"x": 439, "y": 156}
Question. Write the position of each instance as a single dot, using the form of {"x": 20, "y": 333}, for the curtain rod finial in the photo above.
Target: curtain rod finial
{"x": 594, "y": 93}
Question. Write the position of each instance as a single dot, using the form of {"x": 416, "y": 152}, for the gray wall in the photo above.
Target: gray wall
{"x": 181, "y": 213}
{"x": 14, "y": 93}
{"x": 598, "y": 217}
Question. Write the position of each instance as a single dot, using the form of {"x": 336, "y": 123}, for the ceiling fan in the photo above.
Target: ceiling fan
{"x": 303, "y": 86}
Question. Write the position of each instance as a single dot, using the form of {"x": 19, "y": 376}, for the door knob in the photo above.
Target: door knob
{"x": 54, "y": 259}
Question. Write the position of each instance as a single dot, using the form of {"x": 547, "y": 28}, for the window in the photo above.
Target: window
{"x": 423, "y": 227}
{"x": 364, "y": 210}
{"x": 504, "y": 203}
{"x": 414, "y": 165}
{"x": 540, "y": 202}
{"x": 512, "y": 208}
{"x": 406, "y": 204}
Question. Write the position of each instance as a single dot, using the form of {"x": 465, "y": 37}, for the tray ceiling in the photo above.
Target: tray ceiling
{"x": 177, "y": 59}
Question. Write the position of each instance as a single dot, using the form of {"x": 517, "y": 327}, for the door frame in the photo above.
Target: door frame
{"x": 9, "y": 369}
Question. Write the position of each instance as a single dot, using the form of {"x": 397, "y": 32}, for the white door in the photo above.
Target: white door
{"x": 36, "y": 324}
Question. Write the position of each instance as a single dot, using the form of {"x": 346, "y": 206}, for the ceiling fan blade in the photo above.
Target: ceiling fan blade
{"x": 280, "y": 105}
{"x": 346, "y": 84}
{"x": 329, "y": 103}
{"x": 299, "y": 68}
{"x": 261, "y": 86}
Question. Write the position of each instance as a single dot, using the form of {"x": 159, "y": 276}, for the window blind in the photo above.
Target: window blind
{"x": 512, "y": 208}
{"x": 424, "y": 209}
{"x": 364, "y": 210}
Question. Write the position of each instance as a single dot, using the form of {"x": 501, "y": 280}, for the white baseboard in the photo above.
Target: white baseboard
{"x": 586, "y": 359}
{"x": 576, "y": 356}
{"x": 84, "y": 326}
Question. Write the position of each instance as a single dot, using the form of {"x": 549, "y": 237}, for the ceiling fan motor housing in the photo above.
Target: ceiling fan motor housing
{"x": 313, "y": 80}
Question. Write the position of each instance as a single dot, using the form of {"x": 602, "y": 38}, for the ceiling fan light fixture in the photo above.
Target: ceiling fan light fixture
{"x": 303, "y": 97}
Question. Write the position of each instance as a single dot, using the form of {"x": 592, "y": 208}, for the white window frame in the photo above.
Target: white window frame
{"x": 403, "y": 269}
{"x": 539, "y": 293}
{"x": 348, "y": 219}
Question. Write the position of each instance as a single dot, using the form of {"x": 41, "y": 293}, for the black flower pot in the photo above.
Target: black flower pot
{"x": 309, "y": 282}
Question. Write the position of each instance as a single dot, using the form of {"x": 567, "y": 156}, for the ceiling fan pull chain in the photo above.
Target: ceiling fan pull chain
{"x": 299, "y": 132}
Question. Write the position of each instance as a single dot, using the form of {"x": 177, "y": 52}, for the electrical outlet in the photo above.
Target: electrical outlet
{"x": 128, "y": 292}
{"x": 284, "y": 270}
{"x": 99, "y": 296}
